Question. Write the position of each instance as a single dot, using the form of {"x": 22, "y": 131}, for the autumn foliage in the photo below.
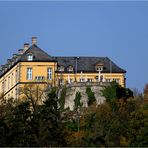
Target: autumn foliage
{"x": 121, "y": 121}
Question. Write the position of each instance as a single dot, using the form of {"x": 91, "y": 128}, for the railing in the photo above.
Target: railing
{"x": 81, "y": 84}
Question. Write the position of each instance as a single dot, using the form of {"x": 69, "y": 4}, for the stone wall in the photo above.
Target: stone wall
{"x": 73, "y": 88}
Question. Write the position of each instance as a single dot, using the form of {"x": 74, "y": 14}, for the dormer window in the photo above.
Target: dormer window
{"x": 99, "y": 67}
{"x": 61, "y": 68}
{"x": 70, "y": 68}
{"x": 30, "y": 57}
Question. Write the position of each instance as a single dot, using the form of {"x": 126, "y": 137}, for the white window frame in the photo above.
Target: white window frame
{"x": 39, "y": 78}
{"x": 99, "y": 68}
{"x": 61, "y": 68}
{"x": 30, "y": 57}
{"x": 49, "y": 73}
{"x": 29, "y": 73}
{"x": 70, "y": 68}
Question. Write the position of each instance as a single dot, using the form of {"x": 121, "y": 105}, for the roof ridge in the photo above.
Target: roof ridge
{"x": 38, "y": 54}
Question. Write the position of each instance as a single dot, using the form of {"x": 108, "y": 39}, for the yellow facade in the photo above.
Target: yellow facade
{"x": 17, "y": 76}
{"x": 38, "y": 69}
{"x": 11, "y": 81}
{"x": 119, "y": 78}
{"x": 8, "y": 83}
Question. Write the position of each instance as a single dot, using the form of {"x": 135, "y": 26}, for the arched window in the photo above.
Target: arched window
{"x": 30, "y": 57}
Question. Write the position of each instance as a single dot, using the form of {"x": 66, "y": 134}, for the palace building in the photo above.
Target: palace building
{"x": 31, "y": 65}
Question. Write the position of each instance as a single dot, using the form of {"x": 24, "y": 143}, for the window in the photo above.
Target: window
{"x": 16, "y": 76}
{"x": 70, "y": 68}
{"x": 49, "y": 73}
{"x": 61, "y": 68}
{"x": 30, "y": 57}
{"x": 3, "y": 87}
{"x": 39, "y": 78}
{"x": 99, "y": 68}
{"x": 8, "y": 82}
{"x": 12, "y": 80}
{"x": 29, "y": 73}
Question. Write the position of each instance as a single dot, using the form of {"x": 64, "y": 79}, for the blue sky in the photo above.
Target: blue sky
{"x": 118, "y": 30}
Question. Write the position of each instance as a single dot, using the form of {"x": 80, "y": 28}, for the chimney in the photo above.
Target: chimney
{"x": 34, "y": 40}
{"x": 26, "y": 46}
{"x": 20, "y": 51}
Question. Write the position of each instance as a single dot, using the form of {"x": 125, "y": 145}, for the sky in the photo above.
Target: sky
{"x": 114, "y": 29}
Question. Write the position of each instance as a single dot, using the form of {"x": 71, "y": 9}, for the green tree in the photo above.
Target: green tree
{"x": 22, "y": 126}
{"x": 3, "y": 133}
{"x": 62, "y": 98}
{"x": 138, "y": 127}
{"x": 101, "y": 125}
{"x": 48, "y": 121}
{"x": 77, "y": 101}
{"x": 18, "y": 120}
{"x": 91, "y": 96}
{"x": 115, "y": 91}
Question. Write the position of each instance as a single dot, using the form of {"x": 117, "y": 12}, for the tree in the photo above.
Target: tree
{"x": 16, "y": 119}
{"x": 146, "y": 93}
{"x": 22, "y": 126}
{"x": 138, "y": 127}
{"x": 48, "y": 121}
{"x": 35, "y": 94}
{"x": 77, "y": 101}
{"x": 101, "y": 125}
{"x": 91, "y": 96}
{"x": 62, "y": 98}
{"x": 137, "y": 95}
{"x": 115, "y": 91}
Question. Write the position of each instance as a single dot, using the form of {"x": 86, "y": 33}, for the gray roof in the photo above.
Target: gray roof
{"x": 38, "y": 55}
{"x": 84, "y": 64}
{"x": 87, "y": 64}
